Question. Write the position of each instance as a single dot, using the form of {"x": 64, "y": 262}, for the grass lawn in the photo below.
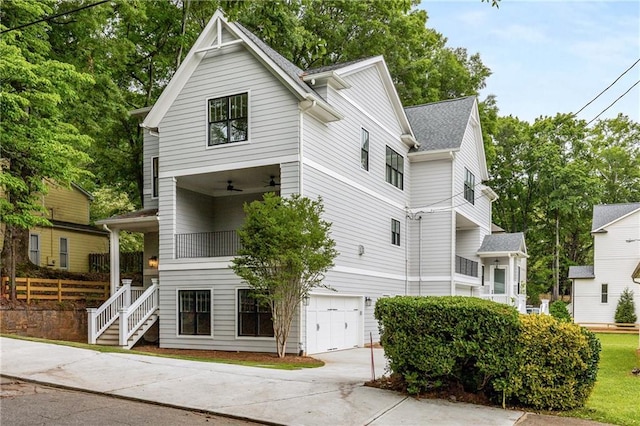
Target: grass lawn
{"x": 616, "y": 396}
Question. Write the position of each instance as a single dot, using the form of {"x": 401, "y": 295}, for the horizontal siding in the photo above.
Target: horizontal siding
{"x": 80, "y": 244}
{"x": 224, "y": 283}
{"x": 436, "y": 245}
{"x": 67, "y": 205}
{"x": 358, "y": 219}
{"x": 194, "y": 212}
{"x": 166, "y": 218}
{"x": 273, "y": 114}
{"x": 431, "y": 183}
{"x": 290, "y": 179}
{"x": 430, "y": 288}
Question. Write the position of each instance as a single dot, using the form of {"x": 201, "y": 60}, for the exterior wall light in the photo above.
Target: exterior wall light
{"x": 153, "y": 262}
{"x": 367, "y": 301}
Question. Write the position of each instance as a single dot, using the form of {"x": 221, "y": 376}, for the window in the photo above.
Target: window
{"x": 254, "y": 316}
{"x": 194, "y": 312}
{"x": 395, "y": 232}
{"x": 154, "y": 177}
{"x": 64, "y": 253}
{"x": 395, "y": 168}
{"x": 364, "y": 149}
{"x": 34, "y": 248}
{"x": 469, "y": 186}
{"x": 228, "y": 119}
{"x": 604, "y": 293}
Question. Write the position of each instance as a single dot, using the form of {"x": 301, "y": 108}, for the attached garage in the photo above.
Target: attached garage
{"x": 333, "y": 323}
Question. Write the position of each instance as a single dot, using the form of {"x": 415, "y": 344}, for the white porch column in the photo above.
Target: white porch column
{"x": 114, "y": 253}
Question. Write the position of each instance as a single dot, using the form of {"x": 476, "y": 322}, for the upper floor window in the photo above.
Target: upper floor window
{"x": 364, "y": 149}
{"x": 469, "y": 186}
{"x": 229, "y": 119}
{"x": 64, "y": 253}
{"x": 395, "y": 232}
{"x": 604, "y": 293}
{"x": 34, "y": 249}
{"x": 394, "y": 169}
{"x": 154, "y": 177}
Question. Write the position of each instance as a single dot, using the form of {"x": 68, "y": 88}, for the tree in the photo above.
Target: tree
{"x": 37, "y": 144}
{"x": 286, "y": 250}
{"x": 559, "y": 311}
{"x": 626, "y": 309}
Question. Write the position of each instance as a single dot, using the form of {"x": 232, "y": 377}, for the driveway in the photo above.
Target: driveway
{"x": 333, "y": 394}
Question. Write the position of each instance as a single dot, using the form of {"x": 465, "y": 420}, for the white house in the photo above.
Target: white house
{"x": 402, "y": 188}
{"x": 616, "y": 240}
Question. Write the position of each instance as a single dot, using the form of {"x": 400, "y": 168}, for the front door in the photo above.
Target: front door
{"x": 499, "y": 280}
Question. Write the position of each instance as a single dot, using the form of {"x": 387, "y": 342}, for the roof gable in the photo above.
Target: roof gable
{"x": 503, "y": 243}
{"x": 605, "y": 215}
{"x": 212, "y": 39}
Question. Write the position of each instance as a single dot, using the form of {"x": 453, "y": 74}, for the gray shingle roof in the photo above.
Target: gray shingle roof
{"x": 286, "y": 65}
{"x": 581, "y": 272}
{"x": 333, "y": 67}
{"x": 501, "y": 243}
{"x": 607, "y": 213}
{"x": 440, "y": 125}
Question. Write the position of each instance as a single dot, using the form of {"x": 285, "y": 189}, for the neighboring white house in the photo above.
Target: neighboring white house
{"x": 616, "y": 241}
{"x": 402, "y": 188}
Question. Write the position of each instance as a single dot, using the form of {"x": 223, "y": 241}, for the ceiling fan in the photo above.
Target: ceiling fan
{"x": 230, "y": 187}
{"x": 272, "y": 182}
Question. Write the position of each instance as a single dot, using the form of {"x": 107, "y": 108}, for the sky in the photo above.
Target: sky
{"x": 549, "y": 56}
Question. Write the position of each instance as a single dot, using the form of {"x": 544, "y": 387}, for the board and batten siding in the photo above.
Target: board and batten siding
{"x": 224, "y": 284}
{"x": 150, "y": 146}
{"x": 273, "y": 115}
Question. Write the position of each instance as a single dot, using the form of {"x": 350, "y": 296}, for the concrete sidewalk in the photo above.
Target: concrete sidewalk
{"x": 333, "y": 394}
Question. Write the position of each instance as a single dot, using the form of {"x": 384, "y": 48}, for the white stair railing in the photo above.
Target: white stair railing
{"x": 134, "y": 316}
{"x": 99, "y": 319}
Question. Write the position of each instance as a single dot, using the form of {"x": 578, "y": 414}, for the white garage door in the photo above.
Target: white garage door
{"x": 333, "y": 323}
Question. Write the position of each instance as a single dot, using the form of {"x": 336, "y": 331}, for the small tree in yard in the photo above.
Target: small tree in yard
{"x": 286, "y": 249}
{"x": 626, "y": 309}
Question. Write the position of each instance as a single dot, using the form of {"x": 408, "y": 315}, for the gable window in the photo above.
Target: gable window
{"x": 604, "y": 293}
{"x": 228, "y": 119}
{"x": 64, "y": 253}
{"x": 469, "y": 186}
{"x": 34, "y": 248}
{"x": 194, "y": 312}
{"x": 364, "y": 149}
{"x": 254, "y": 316}
{"x": 154, "y": 177}
{"x": 395, "y": 232}
{"x": 394, "y": 169}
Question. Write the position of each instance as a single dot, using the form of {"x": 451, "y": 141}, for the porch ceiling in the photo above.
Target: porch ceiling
{"x": 252, "y": 180}
{"x": 462, "y": 223}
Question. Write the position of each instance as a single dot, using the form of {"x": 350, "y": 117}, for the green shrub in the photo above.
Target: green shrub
{"x": 557, "y": 364}
{"x": 626, "y": 309}
{"x": 432, "y": 342}
{"x": 559, "y": 311}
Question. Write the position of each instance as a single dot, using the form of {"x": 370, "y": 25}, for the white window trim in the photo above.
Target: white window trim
{"x": 404, "y": 167}
{"x": 399, "y": 232}
{"x": 66, "y": 268}
{"x": 601, "y": 293}
{"x": 39, "y": 247}
{"x": 177, "y": 299}
{"x": 235, "y": 311}
{"x": 206, "y": 119}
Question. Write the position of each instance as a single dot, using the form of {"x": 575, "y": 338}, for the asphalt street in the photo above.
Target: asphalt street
{"x": 28, "y": 404}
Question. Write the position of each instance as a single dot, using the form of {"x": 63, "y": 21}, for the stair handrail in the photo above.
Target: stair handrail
{"x": 99, "y": 319}
{"x": 137, "y": 314}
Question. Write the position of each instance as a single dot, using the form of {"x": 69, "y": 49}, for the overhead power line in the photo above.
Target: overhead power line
{"x": 607, "y": 88}
{"x": 47, "y": 18}
{"x": 612, "y": 103}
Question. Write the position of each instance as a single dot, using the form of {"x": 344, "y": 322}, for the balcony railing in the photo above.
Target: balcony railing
{"x": 207, "y": 244}
{"x": 466, "y": 267}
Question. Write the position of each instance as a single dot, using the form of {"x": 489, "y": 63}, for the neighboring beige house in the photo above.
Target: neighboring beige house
{"x": 616, "y": 264}
{"x": 67, "y": 243}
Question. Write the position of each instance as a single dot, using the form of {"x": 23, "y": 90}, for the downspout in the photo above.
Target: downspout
{"x": 419, "y": 255}
{"x": 406, "y": 253}
{"x": 452, "y": 255}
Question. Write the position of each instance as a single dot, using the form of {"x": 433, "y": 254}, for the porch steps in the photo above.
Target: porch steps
{"x": 110, "y": 337}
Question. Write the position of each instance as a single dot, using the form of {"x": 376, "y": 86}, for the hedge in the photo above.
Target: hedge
{"x": 530, "y": 360}
{"x": 434, "y": 342}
